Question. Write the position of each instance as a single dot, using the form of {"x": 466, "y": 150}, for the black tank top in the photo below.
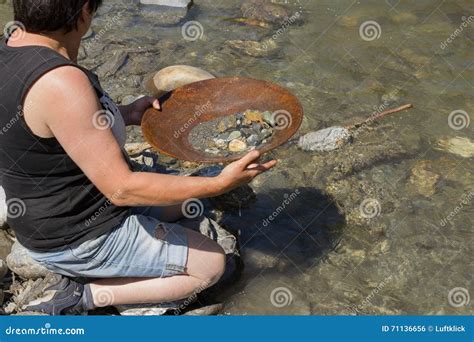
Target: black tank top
{"x": 51, "y": 203}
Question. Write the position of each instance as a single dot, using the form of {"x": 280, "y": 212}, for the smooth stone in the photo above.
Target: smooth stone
{"x": 328, "y": 139}
{"x": 265, "y": 133}
{"x": 234, "y": 135}
{"x": 142, "y": 310}
{"x": 20, "y": 262}
{"x": 176, "y": 76}
{"x": 237, "y": 145}
{"x": 459, "y": 146}
{"x": 3, "y": 209}
{"x": 221, "y": 143}
{"x": 268, "y": 118}
{"x": 253, "y": 140}
{"x": 212, "y": 150}
{"x": 210, "y": 310}
{"x": 226, "y": 123}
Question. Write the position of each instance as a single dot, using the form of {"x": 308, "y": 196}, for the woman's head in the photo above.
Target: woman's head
{"x": 43, "y": 16}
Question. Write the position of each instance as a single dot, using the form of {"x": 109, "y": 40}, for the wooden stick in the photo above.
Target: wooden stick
{"x": 381, "y": 115}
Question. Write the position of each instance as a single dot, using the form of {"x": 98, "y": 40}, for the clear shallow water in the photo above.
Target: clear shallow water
{"x": 319, "y": 250}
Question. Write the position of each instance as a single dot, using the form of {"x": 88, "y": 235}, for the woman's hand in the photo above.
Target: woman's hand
{"x": 133, "y": 113}
{"x": 243, "y": 171}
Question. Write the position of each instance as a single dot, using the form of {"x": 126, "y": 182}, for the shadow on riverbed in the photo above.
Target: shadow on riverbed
{"x": 287, "y": 231}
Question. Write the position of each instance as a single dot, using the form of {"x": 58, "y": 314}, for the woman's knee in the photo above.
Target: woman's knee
{"x": 206, "y": 259}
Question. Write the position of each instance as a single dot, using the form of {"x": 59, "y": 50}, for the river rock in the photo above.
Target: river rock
{"x": 20, "y": 262}
{"x": 459, "y": 146}
{"x": 324, "y": 140}
{"x": 237, "y": 145}
{"x": 265, "y": 10}
{"x": 423, "y": 179}
{"x": 175, "y": 76}
{"x": 253, "y": 48}
{"x": 3, "y": 209}
{"x": 165, "y": 12}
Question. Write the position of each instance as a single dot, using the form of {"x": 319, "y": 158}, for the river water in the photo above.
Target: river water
{"x": 383, "y": 226}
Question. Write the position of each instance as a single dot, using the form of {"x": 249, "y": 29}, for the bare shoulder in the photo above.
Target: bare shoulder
{"x": 62, "y": 92}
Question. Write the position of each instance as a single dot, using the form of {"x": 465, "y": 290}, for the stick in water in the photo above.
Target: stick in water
{"x": 381, "y": 115}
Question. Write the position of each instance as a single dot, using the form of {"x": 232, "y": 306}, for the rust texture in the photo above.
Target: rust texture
{"x": 167, "y": 130}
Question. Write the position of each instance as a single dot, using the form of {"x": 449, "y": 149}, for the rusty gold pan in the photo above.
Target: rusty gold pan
{"x": 184, "y": 108}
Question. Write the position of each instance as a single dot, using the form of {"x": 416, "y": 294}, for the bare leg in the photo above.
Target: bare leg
{"x": 206, "y": 264}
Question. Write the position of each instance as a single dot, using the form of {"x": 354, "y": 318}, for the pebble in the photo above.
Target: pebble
{"x": 237, "y": 146}
{"x": 234, "y": 135}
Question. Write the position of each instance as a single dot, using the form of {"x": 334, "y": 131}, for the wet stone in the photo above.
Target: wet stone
{"x": 241, "y": 132}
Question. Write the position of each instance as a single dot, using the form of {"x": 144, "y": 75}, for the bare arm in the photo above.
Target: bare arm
{"x": 65, "y": 102}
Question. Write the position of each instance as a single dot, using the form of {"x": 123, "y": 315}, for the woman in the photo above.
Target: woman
{"x": 86, "y": 213}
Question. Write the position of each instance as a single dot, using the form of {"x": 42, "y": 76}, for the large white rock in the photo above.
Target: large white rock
{"x": 170, "y": 3}
{"x": 20, "y": 262}
{"x": 165, "y": 12}
{"x": 3, "y": 208}
{"x": 176, "y": 76}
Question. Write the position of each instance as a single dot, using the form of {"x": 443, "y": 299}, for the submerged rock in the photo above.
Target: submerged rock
{"x": 459, "y": 146}
{"x": 175, "y": 76}
{"x": 20, "y": 262}
{"x": 423, "y": 179}
{"x": 265, "y": 11}
{"x": 328, "y": 139}
{"x": 165, "y": 12}
{"x": 254, "y": 48}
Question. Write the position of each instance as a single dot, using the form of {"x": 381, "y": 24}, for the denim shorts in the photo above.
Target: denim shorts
{"x": 129, "y": 250}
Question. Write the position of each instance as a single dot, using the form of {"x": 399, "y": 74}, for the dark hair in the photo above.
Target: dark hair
{"x": 51, "y": 15}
